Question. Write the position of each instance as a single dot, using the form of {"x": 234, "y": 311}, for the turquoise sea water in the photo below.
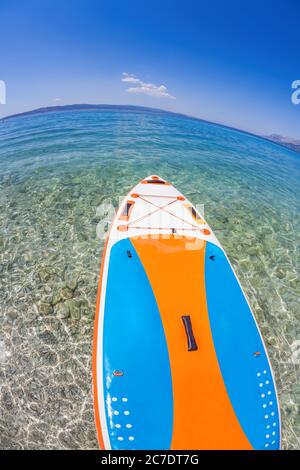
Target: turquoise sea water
{"x": 55, "y": 170}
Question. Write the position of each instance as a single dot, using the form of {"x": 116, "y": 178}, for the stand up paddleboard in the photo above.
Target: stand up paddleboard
{"x": 178, "y": 359}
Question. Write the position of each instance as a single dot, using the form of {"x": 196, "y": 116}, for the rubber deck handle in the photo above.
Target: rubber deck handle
{"x": 192, "y": 345}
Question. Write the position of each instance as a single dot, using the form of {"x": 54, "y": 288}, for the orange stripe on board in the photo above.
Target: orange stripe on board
{"x": 203, "y": 414}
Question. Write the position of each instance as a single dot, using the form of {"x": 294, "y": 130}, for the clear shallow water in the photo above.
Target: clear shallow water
{"x": 55, "y": 170}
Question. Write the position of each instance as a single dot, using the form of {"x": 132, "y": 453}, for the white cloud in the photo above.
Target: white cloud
{"x": 145, "y": 88}
{"x": 57, "y": 99}
{"x": 130, "y": 78}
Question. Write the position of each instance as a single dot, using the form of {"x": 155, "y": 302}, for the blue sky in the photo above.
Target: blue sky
{"x": 228, "y": 61}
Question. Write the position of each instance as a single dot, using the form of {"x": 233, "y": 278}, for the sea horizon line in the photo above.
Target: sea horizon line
{"x": 137, "y": 108}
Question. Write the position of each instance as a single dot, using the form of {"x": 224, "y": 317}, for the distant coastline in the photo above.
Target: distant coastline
{"x": 87, "y": 107}
{"x": 291, "y": 144}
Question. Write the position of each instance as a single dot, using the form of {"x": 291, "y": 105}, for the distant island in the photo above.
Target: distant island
{"x": 292, "y": 144}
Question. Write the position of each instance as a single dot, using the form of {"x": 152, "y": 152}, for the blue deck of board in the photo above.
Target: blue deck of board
{"x": 247, "y": 376}
{"x": 134, "y": 343}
